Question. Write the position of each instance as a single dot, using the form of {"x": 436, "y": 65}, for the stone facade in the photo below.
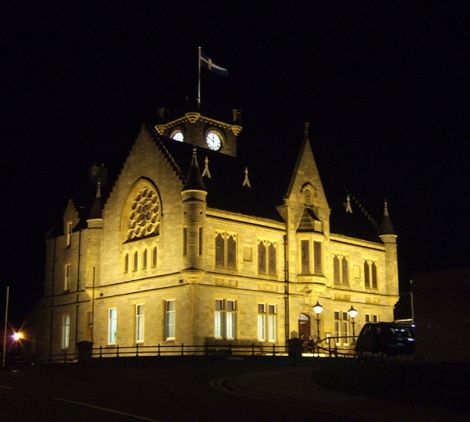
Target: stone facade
{"x": 159, "y": 265}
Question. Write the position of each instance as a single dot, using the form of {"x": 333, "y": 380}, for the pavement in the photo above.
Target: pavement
{"x": 295, "y": 387}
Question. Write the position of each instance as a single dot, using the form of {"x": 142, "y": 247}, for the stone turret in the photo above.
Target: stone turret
{"x": 194, "y": 214}
{"x": 389, "y": 238}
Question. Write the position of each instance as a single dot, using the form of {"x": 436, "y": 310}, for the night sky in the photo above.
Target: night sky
{"x": 384, "y": 85}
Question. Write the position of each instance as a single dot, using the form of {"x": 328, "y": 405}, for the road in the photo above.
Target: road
{"x": 163, "y": 391}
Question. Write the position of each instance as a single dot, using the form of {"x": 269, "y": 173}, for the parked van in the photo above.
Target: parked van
{"x": 386, "y": 339}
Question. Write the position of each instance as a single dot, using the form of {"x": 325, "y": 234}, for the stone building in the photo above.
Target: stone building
{"x": 192, "y": 244}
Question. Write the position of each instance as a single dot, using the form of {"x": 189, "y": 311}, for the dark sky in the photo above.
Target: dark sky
{"x": 385, "y": 86}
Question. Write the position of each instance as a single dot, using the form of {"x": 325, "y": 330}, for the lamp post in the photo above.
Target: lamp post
{"x": 353, "y": 314}
{"x": 318, "y": 309}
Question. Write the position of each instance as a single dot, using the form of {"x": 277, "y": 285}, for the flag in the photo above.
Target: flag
{"x": 212, "y": 67}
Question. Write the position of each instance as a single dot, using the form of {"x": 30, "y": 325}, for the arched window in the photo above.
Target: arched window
{"x": 231, "y": 252}
{"x": 144, "y": 259}
{"x": 219, "y": 250}
{"x": 366, "y": 275}
{"x": 374, "y": 275}
{"x": 336, "y": 275}
{"x": 136, "y": 261}
{"x": 272, "y": 259}
{"x": 154, "y": 257}
{"x": 126, "y": 263}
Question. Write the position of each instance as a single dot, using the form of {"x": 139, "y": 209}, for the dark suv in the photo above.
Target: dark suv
{"x": 386, "y": 339}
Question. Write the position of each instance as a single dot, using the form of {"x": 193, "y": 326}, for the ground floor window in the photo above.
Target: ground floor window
{"x": 65, "y": 331}
{"x": 170, "y": 319}
{"x": 139, "y": 323}
{"x": 225, "y": 319}
{"x": 112, "y": 325}
{"x": 341, "y": 326}
{"x": 267, "y": 322}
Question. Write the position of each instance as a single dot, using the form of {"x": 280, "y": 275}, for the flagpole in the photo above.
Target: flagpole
{"x": 199, "y": 78}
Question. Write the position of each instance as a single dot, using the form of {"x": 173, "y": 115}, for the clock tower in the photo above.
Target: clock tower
{"x": 203, "y": 132}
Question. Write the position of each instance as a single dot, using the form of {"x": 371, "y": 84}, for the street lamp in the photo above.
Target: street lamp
{"x": 17, "y": 336}
{"x": 318, "y": 309}
{"x": 353, "y": 314}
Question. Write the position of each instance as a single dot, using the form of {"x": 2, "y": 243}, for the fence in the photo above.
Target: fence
{"x": 339, "y": 346}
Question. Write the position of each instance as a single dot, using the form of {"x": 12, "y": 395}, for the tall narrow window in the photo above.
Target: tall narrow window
{"x": 185, "y": 241}
{"x": 219, "y": 318}
{"x": 67, "y": 277}
{"x": 170, "y": 320}
{"x": 201, "y": 238}
{"x": 345, "y": 270}
{"x": 374, "y": 275}
{"x": 65, "y": 331}
{"x": 144, "y": 259}
{"x": 68, "y": 234}
{"x": 261, "y": 322}
{"x": 231, "y": 252}
{"x": 154, "y": 257}
{"x": 219, "y": 250}
{"x": 305, "y": 256}
{"x": 272, "y": 259}
{"x": 126, "y": 263}
{"x": 261, "y": 258}
{"x": 139, "y": 323}
{"x": 112, "y": 326}
{"x": 366, "y": 275}
{"x": 272, "y": 323}
{"x": 230, "y": 319}
{"x": 337, "y": 327}
{"x": 336, "y": 272}
{"x": 345, "y": 328}
{"x": 136, "y": 261}
{"x": 317, "y": 256}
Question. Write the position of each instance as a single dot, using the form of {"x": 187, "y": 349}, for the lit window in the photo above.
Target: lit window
{"x": 65, "y": 331}
{"x": 112, "y": 325}
{"x": 139, "y": 323}
{"x": 225, "y": 319}
{"x": 341, "y": 327}
{"x": 267, "y": 322}
{"x": 170, "y": 320}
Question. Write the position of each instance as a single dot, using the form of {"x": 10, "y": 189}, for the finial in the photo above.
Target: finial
{"x": 206, "y": 171}
{"x": 306, "y": 128}
{"x": 348, "y": 204}
{"x": 246, "y": 180}
{"x": 98, "y": 189}
{"x": 194, "y": 151}
{"x": 386, "y": 213}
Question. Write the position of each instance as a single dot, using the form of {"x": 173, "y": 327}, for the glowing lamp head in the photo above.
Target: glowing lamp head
{"x": 318, "y": 309}
{"x": 17, "y": 336}
{"x": 352, "y": 312}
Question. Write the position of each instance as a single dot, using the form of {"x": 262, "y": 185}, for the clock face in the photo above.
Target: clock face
{"x": 214, "y": 140}
{"x": 177, "y": 135}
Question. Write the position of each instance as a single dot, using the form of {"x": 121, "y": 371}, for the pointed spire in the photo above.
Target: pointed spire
{"x": 246, "y": 180}
{"x": 95, "y": 211}
{"x": 206, "y": 172}
{"x": 386, "y": 227}
{"x": 194, "y": 178}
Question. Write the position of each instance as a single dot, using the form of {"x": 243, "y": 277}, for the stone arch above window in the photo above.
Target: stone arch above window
{"x": 142, "y": 212}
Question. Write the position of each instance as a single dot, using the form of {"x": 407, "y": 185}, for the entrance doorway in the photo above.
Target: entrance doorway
{"x": 304, "y": 326}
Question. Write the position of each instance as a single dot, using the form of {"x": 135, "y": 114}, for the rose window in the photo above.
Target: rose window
{"x": 144, "y": 217}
